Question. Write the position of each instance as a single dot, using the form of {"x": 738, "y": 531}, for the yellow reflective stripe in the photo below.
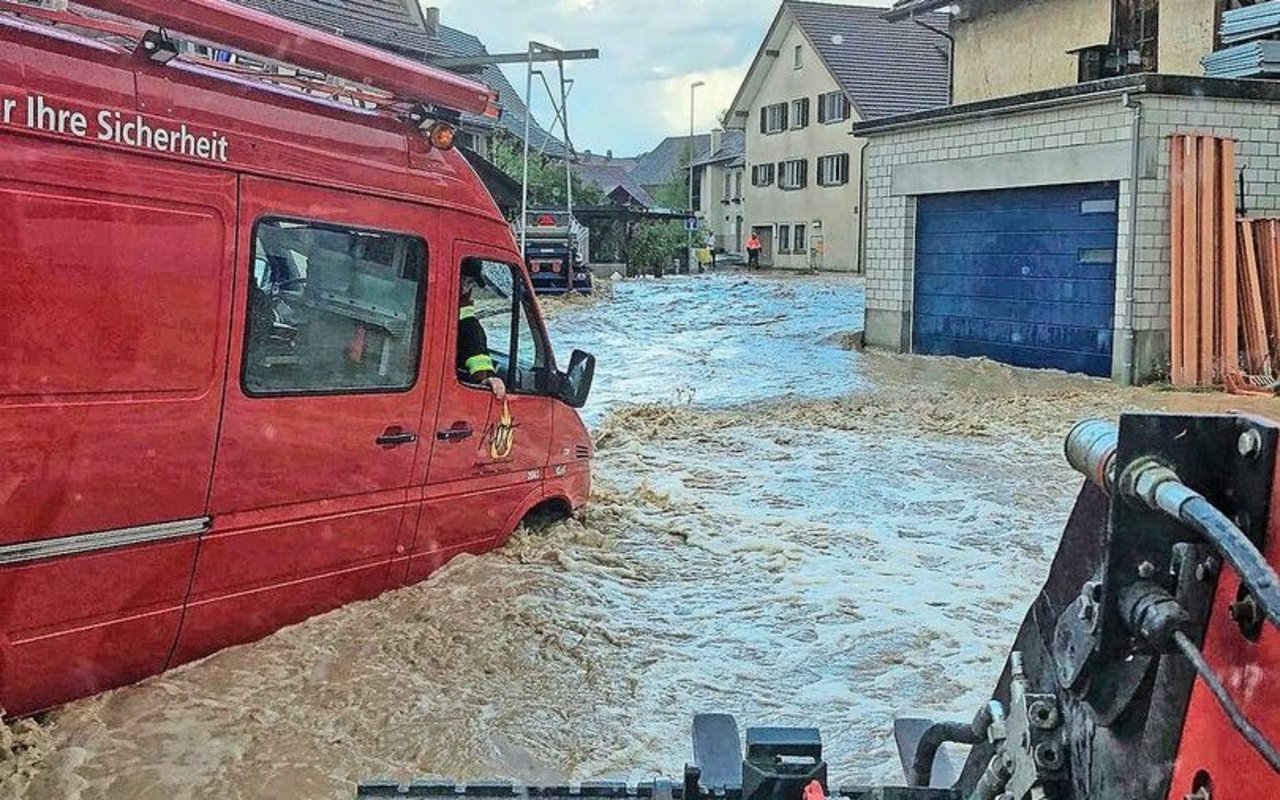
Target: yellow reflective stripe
{"x": 467, "y": 312}
{"x": 480, "y": 363}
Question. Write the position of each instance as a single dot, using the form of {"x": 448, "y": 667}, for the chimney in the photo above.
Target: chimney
{"x": 717, "y": 139}
{"x": 431, "y": 20}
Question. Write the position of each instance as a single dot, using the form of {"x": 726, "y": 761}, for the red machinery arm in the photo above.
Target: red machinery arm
{"x": 225, "y": 23}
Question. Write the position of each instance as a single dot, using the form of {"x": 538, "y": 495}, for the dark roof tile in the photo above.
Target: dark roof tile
{"x": 733, "y": 146}
{"x": 886, "y": 68}
{"x": 660, "y": 164}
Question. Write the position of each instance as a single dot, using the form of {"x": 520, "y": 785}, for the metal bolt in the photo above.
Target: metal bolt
{"x": 1047, "y": 756}
{"x": 1207, "y": 569}
{"x": 1044, "y": 715}
{"x": 1249, "y": 444}
{"x": 1146, "y": 570}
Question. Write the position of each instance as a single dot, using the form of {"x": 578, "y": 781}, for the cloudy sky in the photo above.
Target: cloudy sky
{"x": 650, "y": 51}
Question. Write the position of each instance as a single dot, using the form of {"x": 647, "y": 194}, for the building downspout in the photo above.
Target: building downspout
{"x": 862, "y": 207}
{"x": 1127, "y": 345}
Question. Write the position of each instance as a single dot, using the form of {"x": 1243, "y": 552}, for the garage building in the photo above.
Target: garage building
{"x": 1034, "y": 229}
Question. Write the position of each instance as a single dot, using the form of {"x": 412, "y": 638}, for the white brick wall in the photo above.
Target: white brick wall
{"x": 891, "y": 228}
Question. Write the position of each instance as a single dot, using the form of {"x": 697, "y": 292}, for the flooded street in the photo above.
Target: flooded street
{"x": 782, "y": 529}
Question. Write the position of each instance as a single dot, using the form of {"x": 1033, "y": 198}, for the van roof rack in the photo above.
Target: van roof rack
{"x": 409, "y": 84}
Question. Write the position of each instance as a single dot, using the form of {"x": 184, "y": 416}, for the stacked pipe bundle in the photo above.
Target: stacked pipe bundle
{"x": 1259, "y": 263}
{"x": 1202, "y": 221}
{"x": 1251, "y": 22}
{"x": 1255, "y": 52}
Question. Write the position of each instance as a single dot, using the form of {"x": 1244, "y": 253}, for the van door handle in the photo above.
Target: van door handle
{"x": 394, "y": 437}
{"x": 457, "y": 433}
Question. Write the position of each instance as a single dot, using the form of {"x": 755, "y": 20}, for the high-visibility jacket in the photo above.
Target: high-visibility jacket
{"x": 473, "y": 346}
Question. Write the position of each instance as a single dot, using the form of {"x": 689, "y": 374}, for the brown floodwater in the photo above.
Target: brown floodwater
{"x": 782, "y": 529}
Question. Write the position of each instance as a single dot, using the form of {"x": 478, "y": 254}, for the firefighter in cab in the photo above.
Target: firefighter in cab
{"x": 474, "y": 360}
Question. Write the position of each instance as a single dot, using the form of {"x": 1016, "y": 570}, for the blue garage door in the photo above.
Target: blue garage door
{"x": 1022, "y": 276}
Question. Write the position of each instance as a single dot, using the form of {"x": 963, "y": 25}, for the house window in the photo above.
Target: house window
{"x": 793, "y": 174}
{"x": 773, "y": 119}
{"x": 799, "y": 57}
{"x": 737, "y": 184}
{"x": 833, "y": 170}
{"x": 799, "y": 113}
{"x": 728, "y": 185}
{"x": 762, "y": 175}
{"x": 798, "y": 240}
{"x": 784, "y": 238}
{"x": 832, "y": 107}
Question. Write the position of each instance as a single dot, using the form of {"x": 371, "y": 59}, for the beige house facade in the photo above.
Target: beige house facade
{"x": 820, "y": 68}
{"x": 720, "y": 206}
{"x": 1008, "y": 47}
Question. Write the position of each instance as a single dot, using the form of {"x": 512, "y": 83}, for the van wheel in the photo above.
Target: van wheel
{"x": 546, "y": 514}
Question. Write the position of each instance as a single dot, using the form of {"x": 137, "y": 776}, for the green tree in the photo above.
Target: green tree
{"x": 546, "y": 176}
{"x": 674, "y": 193}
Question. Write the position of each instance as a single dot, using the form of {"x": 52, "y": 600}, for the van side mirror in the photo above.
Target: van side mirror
{"x": 575, "y": 384}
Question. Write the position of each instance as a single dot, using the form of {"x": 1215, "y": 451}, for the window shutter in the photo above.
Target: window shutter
{"x": 822, "y": 111}
{"x": 763, "y": 119}
{"x": 783, "y": 109}
{"x": 844, "y": 168}
{"x": 804, "y": 112}
{"x": 804, "y": 173}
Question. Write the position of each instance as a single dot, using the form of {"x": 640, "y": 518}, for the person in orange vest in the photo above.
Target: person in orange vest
{"x": 753, "y": 251}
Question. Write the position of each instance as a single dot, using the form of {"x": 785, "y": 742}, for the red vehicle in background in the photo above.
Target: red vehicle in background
{"x": 228, "y": 387}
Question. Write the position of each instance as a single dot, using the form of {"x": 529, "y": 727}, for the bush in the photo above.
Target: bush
{"x": 654, "y": 245}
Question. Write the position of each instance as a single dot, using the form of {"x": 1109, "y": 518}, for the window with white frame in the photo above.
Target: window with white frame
{"x": 799, "y": 238}
{"x": 833, "y": 170}
{"x": 737, "y": 184}
{"x": 762, "y": 175}
{"x": 784, "y": 238}
{"x": 799, "y": 113}
{"x": 832, "y": 107}
{"x": 793, "y": 174}
{"x": 728, "y": 186}
{"x": 773, "y": 119}
{"x": 798, "y": 58}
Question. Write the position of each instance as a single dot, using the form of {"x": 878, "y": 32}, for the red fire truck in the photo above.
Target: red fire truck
{"x": 229, "y": 395}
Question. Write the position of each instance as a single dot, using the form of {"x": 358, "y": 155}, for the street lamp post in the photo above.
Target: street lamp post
{"x": 693, "y": 87}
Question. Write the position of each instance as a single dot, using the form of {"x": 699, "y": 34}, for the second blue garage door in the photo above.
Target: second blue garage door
{"x": 1022, "y": 276}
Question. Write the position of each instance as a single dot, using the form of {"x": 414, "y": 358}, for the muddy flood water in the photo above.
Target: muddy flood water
{"x": 782, "y": 529}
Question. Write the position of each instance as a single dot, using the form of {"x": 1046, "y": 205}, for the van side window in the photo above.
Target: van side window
{"x": 496, "y": 294}
{"x": 332, "y": 309}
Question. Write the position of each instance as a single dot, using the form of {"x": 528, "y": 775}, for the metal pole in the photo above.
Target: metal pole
{"x": 569, "y": 267}
{"x": 568, "y": 148}
{"x": 689, "y": 233}
{"x": 524, "y": 183}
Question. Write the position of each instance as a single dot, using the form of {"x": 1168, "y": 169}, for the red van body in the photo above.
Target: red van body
{"x": 152, "y": 508}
